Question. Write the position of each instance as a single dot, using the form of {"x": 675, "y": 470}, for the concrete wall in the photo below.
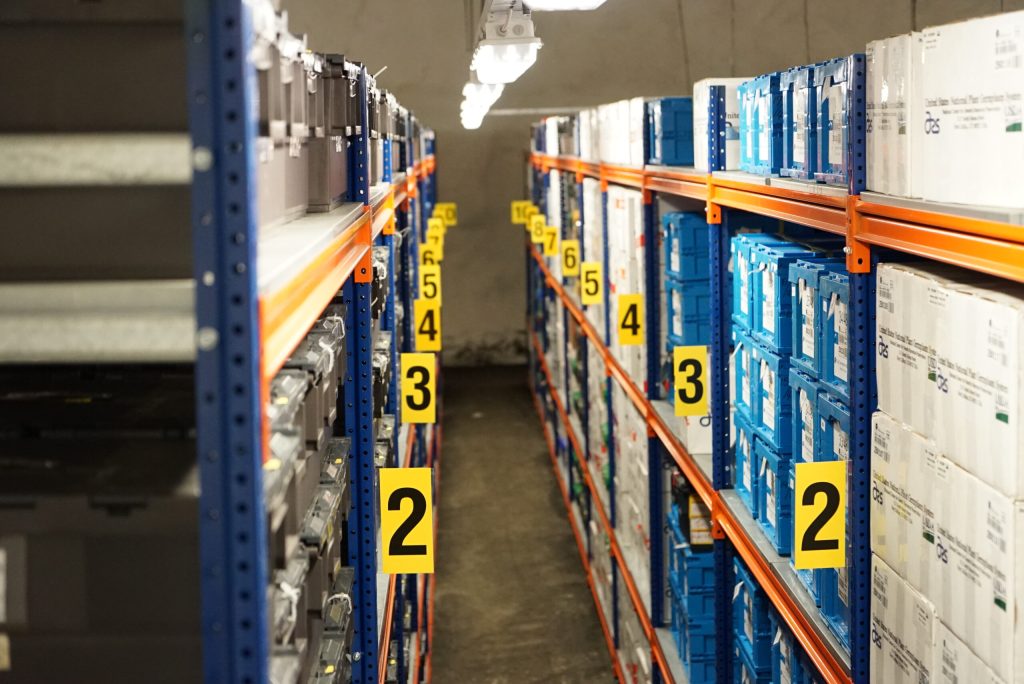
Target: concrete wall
{"x": 627, "y": 48}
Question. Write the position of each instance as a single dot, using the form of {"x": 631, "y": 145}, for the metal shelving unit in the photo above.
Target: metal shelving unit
{"x": 979, "y": 238}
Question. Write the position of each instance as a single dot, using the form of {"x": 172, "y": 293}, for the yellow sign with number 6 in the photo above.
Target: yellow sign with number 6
{"x": 690, "y": 379}
{"x": 631, "y": 319}
{"x": 591, "y": 283}
{"x": 819, "y": 517}
{"x": 407, "y": 520}
{"x": 429, "y": 254}
{"x": 570, "y": 258}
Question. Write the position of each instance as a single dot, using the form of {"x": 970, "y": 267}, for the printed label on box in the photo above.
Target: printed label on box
{"x": 768, "y": 300}
{"x": 807, "y": 338}
{"x": 842, "y": 347}
{"x": 836, "y": 146}
{"x": 767, "y": 396}
{"x": 807, "y": 427}
{"x": 799, "y": 125}
{"x": 744, "y": 276}
{"x": 769, "y": 494}
{"x": 840, "y": 442}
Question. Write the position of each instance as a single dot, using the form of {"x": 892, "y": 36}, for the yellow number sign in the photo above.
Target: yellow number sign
{"x": 591, "y": 283}
{"x": 419, "y": 388}
{"x": 407, "y": 520}
{"x": 550, "y": 241}
{"x": 570, "y": 258}
{"x": 537, "y": 228}
{"x": 690, "y": 375}
{"x": 449, "y": 211}
{"x": 427, "y": 318}
{"x": 819, "y": 520}
{"x": 437, "y": 225}
{"x": 429, "y": 255}
{"x": 435, "y": 238}
{"x": 519, "y": 209}
{"x": 631, "y": 319}
{"x": 430, "y": 283}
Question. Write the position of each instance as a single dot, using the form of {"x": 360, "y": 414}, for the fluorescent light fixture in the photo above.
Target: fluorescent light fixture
{"x": 504, "y": 60}
{"x": 559, "y": 5}
{"x": 483, "y": 93}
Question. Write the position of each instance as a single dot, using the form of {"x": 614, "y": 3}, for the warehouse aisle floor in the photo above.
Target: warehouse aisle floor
{"x": 512, "y": 600}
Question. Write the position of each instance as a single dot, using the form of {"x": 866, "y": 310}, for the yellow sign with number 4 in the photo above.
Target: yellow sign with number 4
{"x": 550, "y": 241}
{"x": 570, "y": 258}
{"x": 819, "y": 517}
{"x": 690, "y": 379}
{"x": 631, "y": 319}
{"x": 591, "y": 283}
{"x": 427, "y": 319}
{"x": 419, "y": 388}
{"x": 407, "y": 520}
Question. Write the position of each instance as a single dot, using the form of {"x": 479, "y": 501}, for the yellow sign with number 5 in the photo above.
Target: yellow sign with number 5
{"x": 430, "y": 283}
{"x": 591, "y": 283}
{"x": 407, "y": 520}
{"x": 690, "y": 379}
{"x": 819, "y": 516}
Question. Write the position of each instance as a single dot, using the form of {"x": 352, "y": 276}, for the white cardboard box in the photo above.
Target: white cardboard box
{"x": 971, "y": 113}
{"x": 953, "y": 537}
{"x": 955, "y": 663}
{"x": 701, "y": 102}
{"x": 894, "y": 96}
{"x": 902, "y": 629}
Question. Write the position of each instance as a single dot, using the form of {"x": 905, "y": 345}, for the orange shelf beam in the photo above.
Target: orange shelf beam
{"x": 828, "y": 665}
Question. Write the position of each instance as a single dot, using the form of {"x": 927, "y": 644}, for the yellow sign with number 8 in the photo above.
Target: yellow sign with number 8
{"x": 537, "y": 228}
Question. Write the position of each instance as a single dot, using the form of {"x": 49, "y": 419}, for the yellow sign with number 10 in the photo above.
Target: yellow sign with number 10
{"x": 819, "y": 517}
{"x": 519, "y": 211}
{"x": 406, "y": 520}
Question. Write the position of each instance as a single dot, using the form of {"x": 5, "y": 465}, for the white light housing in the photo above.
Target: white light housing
{"x": 504, "y": 60}
{"x": 559, "y": 5}
{"x": 485, "y": 94}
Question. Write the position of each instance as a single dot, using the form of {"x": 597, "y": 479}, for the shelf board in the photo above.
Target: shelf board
{"x": 95, "y": 159}
{"x": 675, "y": 663}
{"x": 131, "y": 321}
{"x": 301, "y": 265}
{"x": 784, "y": 574}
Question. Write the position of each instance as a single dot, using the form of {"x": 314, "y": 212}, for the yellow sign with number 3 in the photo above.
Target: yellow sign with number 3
{"x": 690, "y": 379}
{"x": 407, "y": 520}
{"x": 819, "y": 517}
{"x": 419, "y": 388}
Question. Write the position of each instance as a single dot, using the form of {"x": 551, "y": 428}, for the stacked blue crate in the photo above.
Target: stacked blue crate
{"x": 804, "y": 278}
{"x": 799, "y": 123}
{"x": 790, "y": 664}
{"x": 833, "y": 445}
{"x": 835, "y": 82}
{"x": 691, "y": 583}
{"x": 752, "y": 634}
{"x": 687, "y": 283}
{"x": 670, "y": 131}
{"x": 761, "y": 125}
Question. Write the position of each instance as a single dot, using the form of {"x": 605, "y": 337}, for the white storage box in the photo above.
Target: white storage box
{"x": 902, "y": 629}
{"x": 972, "y": 89}
{"x": 893, "y": 103}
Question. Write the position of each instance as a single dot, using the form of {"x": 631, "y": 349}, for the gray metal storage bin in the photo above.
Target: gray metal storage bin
{"x": 316, "y": 87}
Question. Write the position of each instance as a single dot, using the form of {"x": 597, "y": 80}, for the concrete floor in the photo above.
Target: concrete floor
{"x": 512, "y": 600}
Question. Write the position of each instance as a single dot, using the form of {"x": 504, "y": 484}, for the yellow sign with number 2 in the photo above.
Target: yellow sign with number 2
{"x": 819, "y": 518}
{"x": 407, "y": 520}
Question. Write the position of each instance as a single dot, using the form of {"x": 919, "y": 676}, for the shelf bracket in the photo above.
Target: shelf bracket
{"x": 858, "y": 254}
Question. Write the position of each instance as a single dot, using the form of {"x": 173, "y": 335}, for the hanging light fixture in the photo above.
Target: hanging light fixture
{"x": 559, "y": 5}
{"x": 506, "y": 46}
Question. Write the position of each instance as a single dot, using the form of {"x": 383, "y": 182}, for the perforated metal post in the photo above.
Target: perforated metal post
{"x": 610, "y": 415}
{"x": 863, "y": 396}
{"x": 232, "y": 535}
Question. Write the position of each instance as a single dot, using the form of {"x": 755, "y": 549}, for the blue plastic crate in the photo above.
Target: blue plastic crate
{"x": 806, "y": 328}
{"x": 678, "y": 622}
{"x": 688, "y": 312}
{"x": 686, "y": 245}
{"x": 772, "y": 311}
{"x": 750, "y": 617}
{"x": 834, "y": 87}
{"x": 745, "y": 671}
{"x": 743, "y": 384}
{"x": 833, "y": 428}
{"x": 700, "y": 605}
{"x": 799, "y": 123}
{"x": 700, "y": 639}
{"x": 806, "y": 577}
{"x": 787, "y": 660}
{"x": 772, "y": 407}
{"x": 676, "y": 542}
{"x": 834, "y": 593}
{"x": 691, "y": 571}
{"x": 700, "y": 671}
{"x": 670, "y": 131}
{"x": 742, "y": 293}
{"x": 745, "y": 480}
{"x": 774, "y": 497}
{"x": 834, "y": 300}
{"x": 805, "y": 391}
{"x": 766, "y": 158}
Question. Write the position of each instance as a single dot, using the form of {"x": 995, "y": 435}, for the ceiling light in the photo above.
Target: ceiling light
{"x": 558, "y": 5}
{"x": 504, "y": 60}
